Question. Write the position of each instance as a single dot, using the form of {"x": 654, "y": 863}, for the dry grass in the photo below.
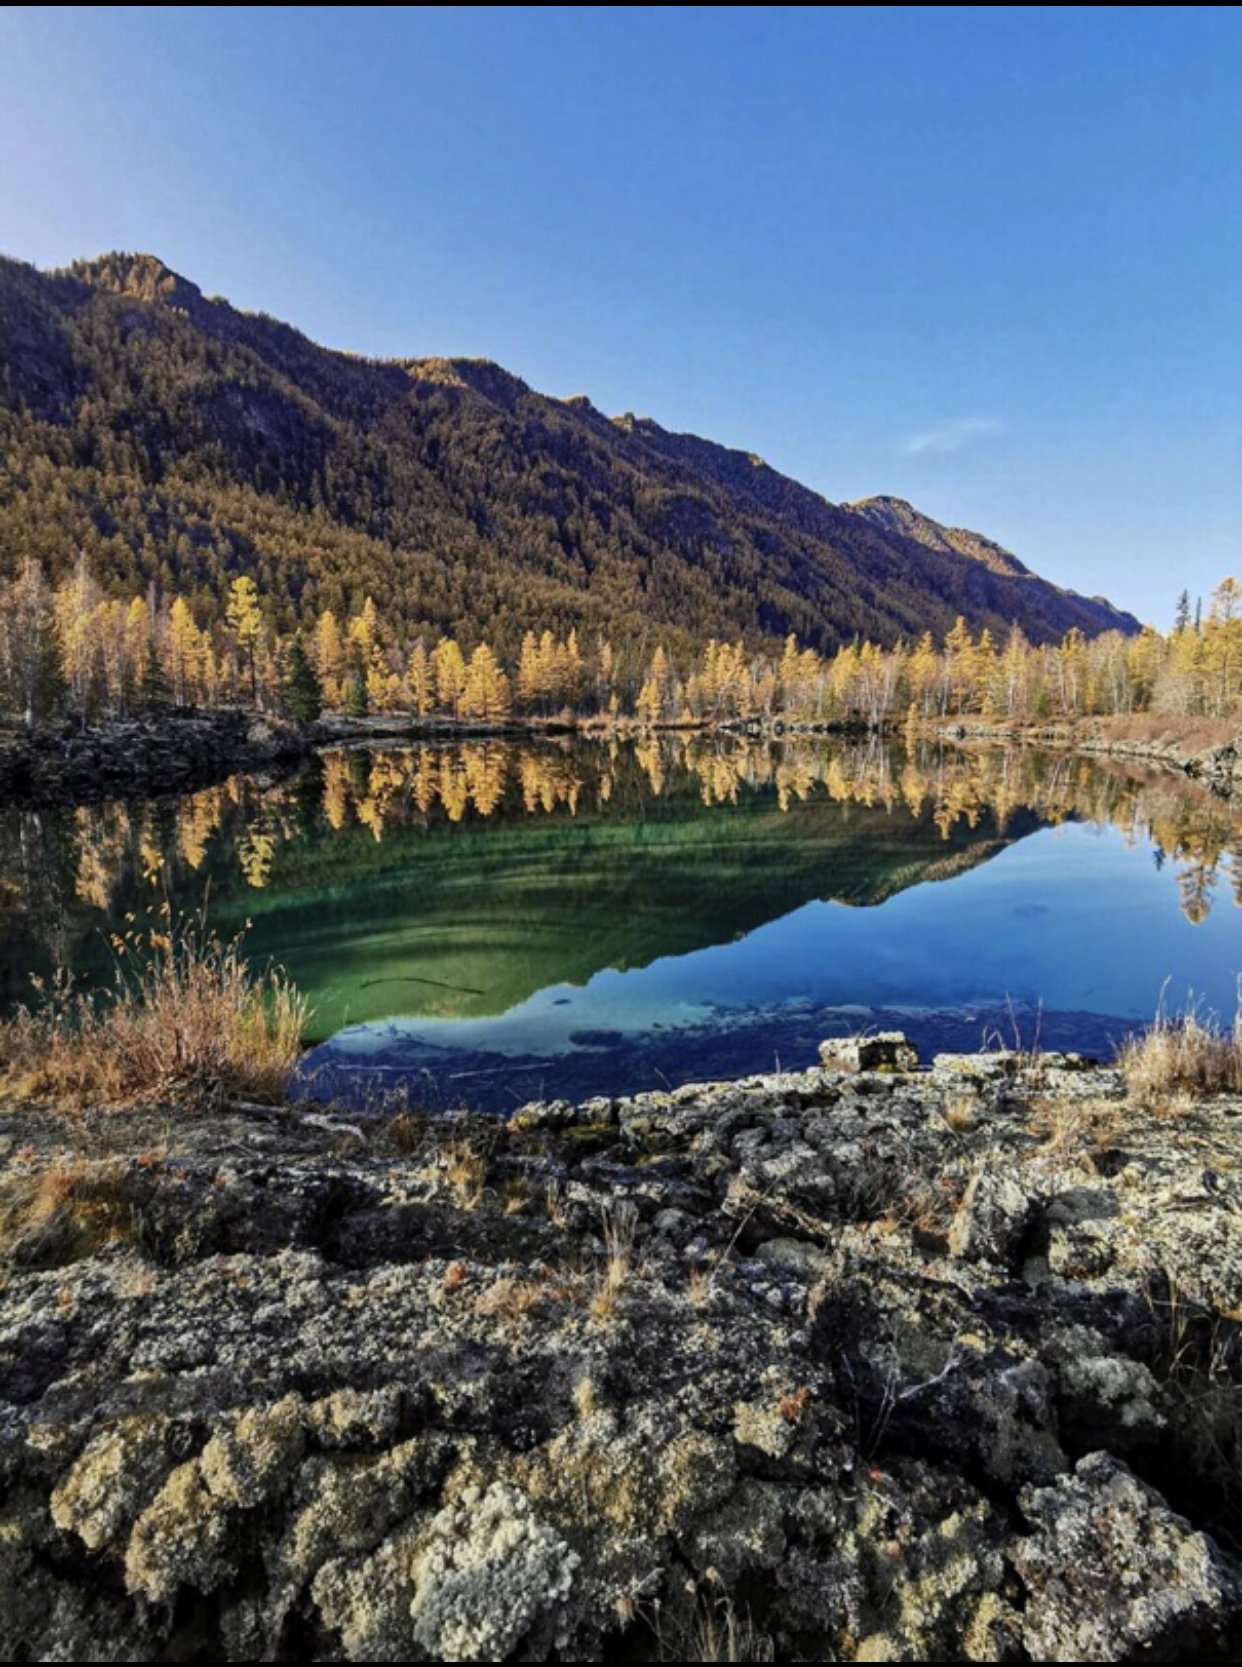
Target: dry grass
{"x": 555, "y": 1204}
{"x": 620, "y": 1229}
{"x": 516, "y": 1196}
{"x": 1076, "y": 1131}
{"x": 513, "y": 1297}
{"x": 961, "y": 1112}
{"x": 700, "y": 1287}
{"x": 720, "y": 1634}
{"x": 1167, "y": 729}
{"x": 465, "y": 1169}
{"x": 68, "y": 1211}
{"x": 403, "y": 1134}
{"x": 185, "y": 1017}
{"x": 1188, "y": 1055}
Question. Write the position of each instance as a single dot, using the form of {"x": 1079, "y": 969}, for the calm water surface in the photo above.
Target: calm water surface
{"x": 487, "y": 922}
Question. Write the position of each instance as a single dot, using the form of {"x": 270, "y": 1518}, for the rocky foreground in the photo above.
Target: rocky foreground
{"x": 862, "y": 1363}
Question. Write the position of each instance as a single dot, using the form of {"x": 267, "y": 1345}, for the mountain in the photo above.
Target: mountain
{"x": 178, "y": 441}
{"x": 901, "y": 520}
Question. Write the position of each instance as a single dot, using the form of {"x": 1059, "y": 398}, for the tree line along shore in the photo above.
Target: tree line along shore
{"x": 72, "y": 649}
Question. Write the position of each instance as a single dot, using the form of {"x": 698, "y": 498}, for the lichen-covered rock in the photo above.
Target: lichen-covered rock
{"x": 181, "y": 1540}
{"x": 486, "y": 1570}
{"x": 113, "y": 1481}
{"x": 241, "y": 1466}
{"x": 1104, "y": 1395}
{"x": 887, "y": 1050}
{"x": 992, "y": 1219}
{"x": 125, "y": 757}
{"x": 1111, "y": 1573}
{"x": 1082, "y": 1227}
{"x": 799, "y": 1364}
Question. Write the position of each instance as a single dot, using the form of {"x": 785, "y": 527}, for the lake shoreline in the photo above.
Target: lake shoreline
{"x": 872, "y": 1355}
{"x": 1207, "y": 749}
{"x": 150, "y": 755}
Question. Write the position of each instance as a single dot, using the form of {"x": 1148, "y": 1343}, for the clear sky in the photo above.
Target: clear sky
{"x": 986, "y": 259}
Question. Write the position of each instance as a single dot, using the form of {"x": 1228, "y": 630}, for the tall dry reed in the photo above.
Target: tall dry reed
{"x": 185, "y": 1017}
{"x": 1189, "y": 1054}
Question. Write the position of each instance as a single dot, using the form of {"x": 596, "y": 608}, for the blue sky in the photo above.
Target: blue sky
{"x": 986, "y": 259}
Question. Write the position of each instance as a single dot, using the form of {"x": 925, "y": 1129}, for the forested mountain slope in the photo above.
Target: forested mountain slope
{"x": 176, "y": 440}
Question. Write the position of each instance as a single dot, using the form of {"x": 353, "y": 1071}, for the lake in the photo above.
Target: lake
{"x": 488, "y": 922}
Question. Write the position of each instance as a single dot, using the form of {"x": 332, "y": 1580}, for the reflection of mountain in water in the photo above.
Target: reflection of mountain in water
{"x": 456, "y": 881}
{"x": 475, "y": 920}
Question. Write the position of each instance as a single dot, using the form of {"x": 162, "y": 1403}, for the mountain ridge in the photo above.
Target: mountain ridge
{"x": 174, "y": 438}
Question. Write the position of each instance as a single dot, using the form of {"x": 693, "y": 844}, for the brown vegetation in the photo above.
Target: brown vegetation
{"x": 1190, "y": 1055}
{"x": 60, "y": 1214}
{"x": 185, "y": 1018}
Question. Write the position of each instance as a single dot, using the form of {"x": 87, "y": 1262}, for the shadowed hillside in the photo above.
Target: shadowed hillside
{"x": 177, "y": 441}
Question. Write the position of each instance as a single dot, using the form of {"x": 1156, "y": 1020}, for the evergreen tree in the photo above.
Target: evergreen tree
{"x": 153, "y": 685}
{"x": 357, "y": 700}
{"x": 1181, "y": 620}
{"x": 302, "y": 691}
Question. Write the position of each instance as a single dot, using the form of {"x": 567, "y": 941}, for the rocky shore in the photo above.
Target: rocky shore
{"x": 125, "y": 758}
{"x": 868, "y": 1362}
{"x": 1204, "y": 748}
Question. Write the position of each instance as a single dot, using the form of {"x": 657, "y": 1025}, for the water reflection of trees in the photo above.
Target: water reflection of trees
{"x": 104, "y": 858}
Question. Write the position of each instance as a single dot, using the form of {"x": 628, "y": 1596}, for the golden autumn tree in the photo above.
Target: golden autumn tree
{"x": 329, "y": 656}
{"x": 420, "y": 681}
{"x": 244, "y": 618}
{"x": 485, "y": 693}
{"x": 529, "y": 673}
{"x": 184, "y": 651}
{"x": 139, "y": 637}
{"x": 1222, "y": 645}
{"x": 957, "y": 652}
{"x": 449, "y": 666}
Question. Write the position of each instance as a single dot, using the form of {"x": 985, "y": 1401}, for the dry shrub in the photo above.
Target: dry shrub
{"x": 185, "y": 1017}
{"x": 1187, "y": 1055}
{"x": 514, "y": 1296}
{"x": 793, "y": 1404}
{"x": 511, "y": 1298}
{"x": 402, "y": 1135}
{"x": 1075, "y": 1131}
{"x": 700, "y": 1287}
{"x": 516, "y": 1196}
{"x": 465, "y": 1169}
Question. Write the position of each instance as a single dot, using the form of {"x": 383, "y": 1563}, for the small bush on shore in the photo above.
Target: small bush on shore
{"x": 1187, "y": 1055}
{"x": 186, "y": 1018}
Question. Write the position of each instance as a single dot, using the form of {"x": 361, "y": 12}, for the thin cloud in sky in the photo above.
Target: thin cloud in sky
{"x": 950, "y": 436}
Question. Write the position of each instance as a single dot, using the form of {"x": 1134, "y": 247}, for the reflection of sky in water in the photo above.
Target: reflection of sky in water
{"x": 1075, "y": 917}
